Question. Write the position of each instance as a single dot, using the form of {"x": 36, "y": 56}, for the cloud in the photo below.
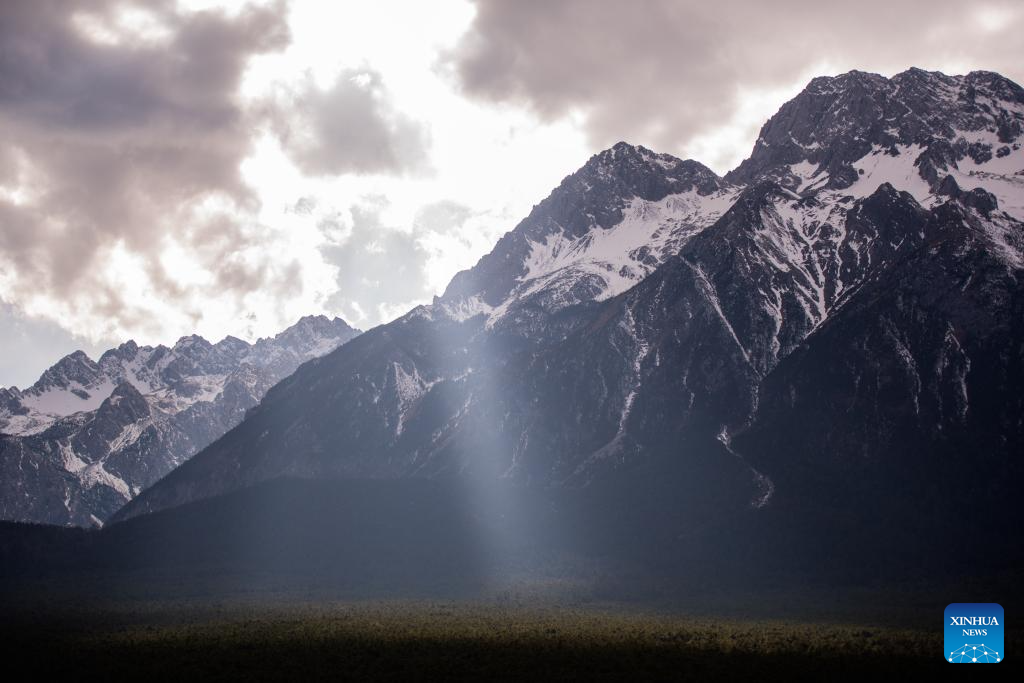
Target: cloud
{"x": 378, "y": 268}
{"x": 350, "y": 127}
{"x": 125, "y": 208}
{"x": 383, "y": 270}
{"x": 454, "y": 236}
{"x": 124, "y": 134}
{"x": 666, "y": 73}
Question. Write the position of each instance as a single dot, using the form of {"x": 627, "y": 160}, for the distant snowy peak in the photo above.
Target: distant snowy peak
{"x": 857, "y": 131}
{"x": 88, "y": 436}
{"x": 311, "y": 337}
{"x": 602, "y": 230}
{"x": 174, "y": 378}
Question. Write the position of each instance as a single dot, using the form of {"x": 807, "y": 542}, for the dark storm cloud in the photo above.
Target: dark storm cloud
{"x": 349, "y": 128}
{"x": 660, "y": 72}
{"x": 114, "y": 142}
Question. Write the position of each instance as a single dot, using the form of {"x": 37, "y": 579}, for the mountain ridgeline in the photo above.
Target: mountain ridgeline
{"x": 831, "y": 336}
{"x": 87, "y": 436}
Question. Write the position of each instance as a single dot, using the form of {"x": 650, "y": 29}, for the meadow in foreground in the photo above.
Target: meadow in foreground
{"x": 418, "y": 639}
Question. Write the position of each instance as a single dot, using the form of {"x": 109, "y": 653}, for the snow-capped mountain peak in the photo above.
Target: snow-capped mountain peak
{"x": 602, "y": 230}
{"x": 97, "y": 432}
{"x": 856, "y": 131}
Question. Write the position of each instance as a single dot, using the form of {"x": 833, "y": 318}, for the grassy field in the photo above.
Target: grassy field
{"x": 416, "y": 640}
{"x": 152, "y": 626}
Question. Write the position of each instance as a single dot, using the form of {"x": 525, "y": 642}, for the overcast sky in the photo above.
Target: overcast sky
{"x": 225, "y": 168}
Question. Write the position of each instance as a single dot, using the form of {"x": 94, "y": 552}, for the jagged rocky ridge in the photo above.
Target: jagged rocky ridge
{"x": 807, "y": 331}
{"x": 88, "y": 436}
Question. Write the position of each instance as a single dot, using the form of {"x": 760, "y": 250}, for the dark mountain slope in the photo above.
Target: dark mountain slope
{"x": 910, "y": 399}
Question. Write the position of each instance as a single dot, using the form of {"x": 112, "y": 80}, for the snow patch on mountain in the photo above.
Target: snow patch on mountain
{"x": 900, "y": 170}
{"x": 1003, "y": 176}
{"x": 410, "y": 387}
{"x": 96, "y": 475}
{"x": 1007, "y": 238}
{"x": 810, "y": 174}
{"x": 609, "y": 261}
{"x": 659, "y": 227}
{"x": 129, "y": 435}
{"x": 47, "y": 405}
{"x": 461, "y": 309}
{"x": 72, "y": 463}
{"x": 791, "y": 244}
{"x": 711, "y": 295}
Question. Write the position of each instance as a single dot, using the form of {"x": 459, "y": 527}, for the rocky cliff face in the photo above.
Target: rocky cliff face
{"x": 909, "y": 397}
{"x": 848, "y": 298}
{"x": 88, "y": 436}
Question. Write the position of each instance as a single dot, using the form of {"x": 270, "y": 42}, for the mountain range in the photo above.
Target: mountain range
{"x": 822, "y": 349}
{"x": 89, "y": 435}
{"x": 831, "y": 331}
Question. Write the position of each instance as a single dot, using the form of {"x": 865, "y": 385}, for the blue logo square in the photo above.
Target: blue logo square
{"x": 974, "y": 633}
